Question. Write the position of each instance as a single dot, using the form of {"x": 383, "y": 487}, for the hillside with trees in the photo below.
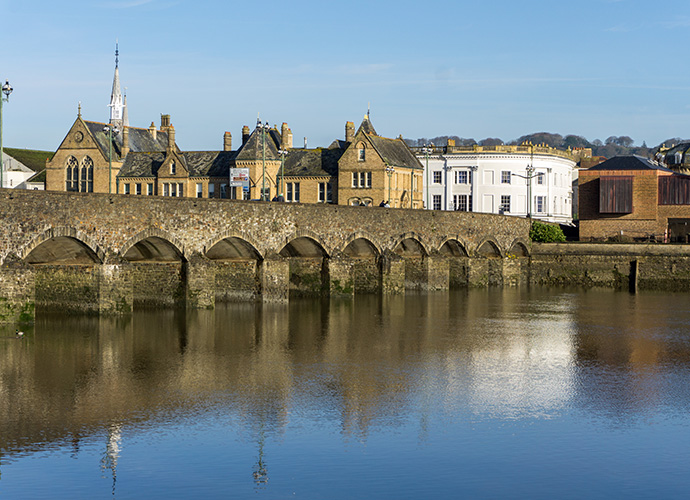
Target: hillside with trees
{"x": 612, "y": 146}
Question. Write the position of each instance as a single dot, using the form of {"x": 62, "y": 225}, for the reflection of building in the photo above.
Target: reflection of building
{"x": 633, "y": 197}
{"x": 363, "y": 169}
{"x": 496, "y": 179}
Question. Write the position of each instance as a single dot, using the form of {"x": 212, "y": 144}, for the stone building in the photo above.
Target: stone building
{"x": 631, "y": 197}
{"x": 363, "y": 169}
{"x": 92, "y": 153}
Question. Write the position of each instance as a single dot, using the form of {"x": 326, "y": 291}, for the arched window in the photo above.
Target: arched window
{"x": 361, "y": 152}
{"x": 87, "y": 164}
{"x": 86, "y": 175}
{"x": 72, "y": 177}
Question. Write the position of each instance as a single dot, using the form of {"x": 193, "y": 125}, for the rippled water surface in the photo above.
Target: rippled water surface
{"x": 473, "y": 394}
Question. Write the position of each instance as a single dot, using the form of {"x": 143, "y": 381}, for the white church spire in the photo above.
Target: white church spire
{"x": 117, "y": 103}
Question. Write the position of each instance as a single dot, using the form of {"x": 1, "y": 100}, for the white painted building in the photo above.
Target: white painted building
{"x": 16, "y": 175}
{"x": 512, "y": 180}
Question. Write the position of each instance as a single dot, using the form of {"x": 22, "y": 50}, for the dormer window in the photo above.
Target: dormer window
{"x": 679, "y": 158}
{"x": 362, "y": 153}
{"x": 172, "y": 167}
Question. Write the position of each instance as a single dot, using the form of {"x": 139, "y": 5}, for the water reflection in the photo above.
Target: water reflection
{"x": 359, "y": 365}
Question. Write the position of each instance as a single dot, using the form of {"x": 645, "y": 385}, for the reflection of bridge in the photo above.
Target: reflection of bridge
{"x": 106, "y": 253}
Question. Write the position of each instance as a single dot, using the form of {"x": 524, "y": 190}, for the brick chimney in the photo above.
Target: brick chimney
{"x": 227, "y": 141}
{"x": 125, "y": 141}
{"x": 152, "y": 129}
{"x": 165, "y": 122}
{"x": 245, "y": 134}
{"x": 349, "y": 131}
{"x": 285, "y": 137}
{"x": 171, "y": 137}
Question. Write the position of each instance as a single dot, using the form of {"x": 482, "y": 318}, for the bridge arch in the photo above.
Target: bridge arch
{"x": 453, "y": 246}
{"x": 488, "y": 248}
{"x": 233, "y": 246}
{"x": 360, "y": 244}
{"x": 305, "y": 243}
{"x": 519, "y": 248}
{"x": 63, "y": 245}
{"x": 410, "y": 244}
{"x": 153, "y": 245}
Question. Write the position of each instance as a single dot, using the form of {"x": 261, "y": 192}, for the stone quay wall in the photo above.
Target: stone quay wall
{"x": 622, "y": 266}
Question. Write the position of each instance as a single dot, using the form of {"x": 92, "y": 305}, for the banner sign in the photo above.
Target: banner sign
{"x": 239, "y": 177}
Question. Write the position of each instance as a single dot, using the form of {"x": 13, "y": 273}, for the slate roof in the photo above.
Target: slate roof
{"x": 312, "y": 162}
{"x": 631, "y": 162}
{"x": 253, "y": 148}
{"x": 683, "y": 147}
{"x": 395, "y": 152}
{"x": 197, "y": 163}
{"x": 140, "y": 140}
{"x": 367, "y": 127}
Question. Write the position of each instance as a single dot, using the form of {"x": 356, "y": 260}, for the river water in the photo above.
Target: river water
{"x": 515, "y": 393}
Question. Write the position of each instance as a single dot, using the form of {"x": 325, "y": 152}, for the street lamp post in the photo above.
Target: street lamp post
{"x": 110, "y": 130}
{"x": 389, "y": 170}
{"x": 7, "y": 90}
{"x": 264, "y": 129}
{"x": 283, "y": 153}
{"x": 530, "y": 174}
{"x": 427, "y": 149}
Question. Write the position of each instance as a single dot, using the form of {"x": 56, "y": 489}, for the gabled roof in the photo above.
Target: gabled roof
{"x": 395, "y": 152}
{"x": 630, "y": 162}
{"x": 197, "y": 163}
{"x": 253, "y": 149}
{"x": 312, "y": 162}
{"x": 140, "y": 139}
{"x": 366, "y": 127}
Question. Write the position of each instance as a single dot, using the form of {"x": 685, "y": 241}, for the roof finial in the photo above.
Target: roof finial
{"x": 368, "y": 110}
{"x": 117, "y": 53}
{"x": 79, "y": 110}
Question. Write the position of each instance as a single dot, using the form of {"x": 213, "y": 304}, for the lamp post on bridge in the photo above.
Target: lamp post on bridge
{"x": 283, "y": 153}
{"x": 390, "y": 170}
{"x": 530, "y": 175}
{"x": 427, "y": 149}
{"x": 110, "y": 129}
{"x": 264, "y": 129}
{"x": 7, "y": 90}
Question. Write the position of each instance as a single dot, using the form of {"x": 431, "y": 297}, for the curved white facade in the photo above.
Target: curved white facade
{"x": 503, "y": 179}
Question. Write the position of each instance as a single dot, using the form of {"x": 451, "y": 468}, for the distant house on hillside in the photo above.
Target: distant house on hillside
{"x": 24, "y": 168}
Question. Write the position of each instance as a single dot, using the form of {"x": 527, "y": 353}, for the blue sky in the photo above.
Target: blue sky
{"x": 474, "y": 69}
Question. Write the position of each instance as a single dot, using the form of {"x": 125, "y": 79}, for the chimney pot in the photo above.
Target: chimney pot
{"x": 227, "y": 141}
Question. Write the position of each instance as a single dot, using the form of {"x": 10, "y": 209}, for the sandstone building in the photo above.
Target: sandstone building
{"x": 363, "y": 169}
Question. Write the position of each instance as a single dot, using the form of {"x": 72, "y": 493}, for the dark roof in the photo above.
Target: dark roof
{"x": 395, "y": 152}
{"x": 312, "y": 162}
{"x": 140, "y": 139}
{"x": 631, "y": 162}
{"x": 253, "y": 149}
{"x": 197, "y": 163}
{"x": 141, "y": 164}
{"x": 367, "y": 127}
{"x": 338, "y": 144}
{"x": 209, "y": 163}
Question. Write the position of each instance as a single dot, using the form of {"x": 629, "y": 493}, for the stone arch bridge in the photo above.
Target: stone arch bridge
{"x": 105, "y": 253}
